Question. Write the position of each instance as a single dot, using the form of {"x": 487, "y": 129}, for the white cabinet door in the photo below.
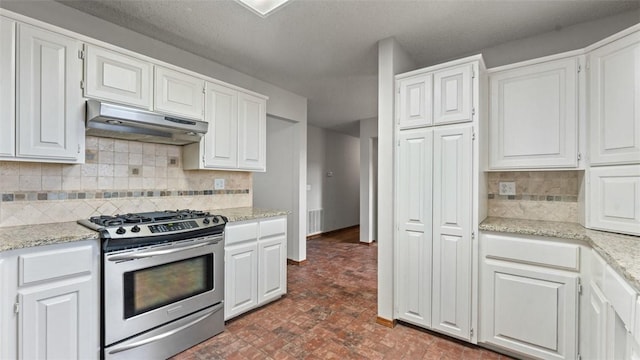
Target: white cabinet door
{"x": 597, "y": 337}
{"x": 8, "y": 87}
{"x": 614, "y": 198}
{"x": 533, "y": 120}
{"x": 178, "y": 94}
{"x": 453, "y": 95}
{"x": 614, "y": 98}
{"x": 272, "y": 276}
{"x": 530, "y": 311}
{"x": 53, "y": 321}
{"x": 252, "y": 132}
{"x": 414, "y": 219}
{"x": 415, "y": 101}
{"x": 221, "y": 140}
{"x": 452, "y": 227}
{"x": 241, "y": 278}
{"x": 117, "y": 77}
{"x": 51, "y": 109}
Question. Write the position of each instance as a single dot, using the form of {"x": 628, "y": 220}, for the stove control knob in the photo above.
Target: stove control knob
{"x": 121, "y": 231}
{"x": 205, "y": 221}
{"x": 216, "y": 220}
{"x": 135, "y": 229}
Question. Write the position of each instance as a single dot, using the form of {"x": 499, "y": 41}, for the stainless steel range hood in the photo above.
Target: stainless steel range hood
{"x": 124, "y": 122}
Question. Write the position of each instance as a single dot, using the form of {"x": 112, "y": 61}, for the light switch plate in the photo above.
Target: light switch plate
{"x": 507, "y": 188}
{"x": 218, "y": 184}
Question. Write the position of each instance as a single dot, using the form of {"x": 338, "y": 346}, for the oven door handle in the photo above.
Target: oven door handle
{"x": 158, "y": 337}
{"x": 149, "y": 253}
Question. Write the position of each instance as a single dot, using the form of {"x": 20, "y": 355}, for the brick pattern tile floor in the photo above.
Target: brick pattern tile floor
{"x": 329, "y": 312}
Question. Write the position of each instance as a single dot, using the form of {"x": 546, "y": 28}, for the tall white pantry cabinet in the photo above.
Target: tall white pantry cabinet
{"x": 441, "y": 195}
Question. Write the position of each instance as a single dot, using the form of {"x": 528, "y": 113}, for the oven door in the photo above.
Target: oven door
{"x": 150, "y": 286}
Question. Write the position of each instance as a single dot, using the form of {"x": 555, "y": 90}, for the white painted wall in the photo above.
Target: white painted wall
{"x": 368, "y": 179}
{"x": 273, "y": 189}
{"x": 337, "y": 195}
{"x": 392, "y": 60}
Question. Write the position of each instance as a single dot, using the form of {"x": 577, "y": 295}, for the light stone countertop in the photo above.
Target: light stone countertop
{"x": 19, "y": 237}
{"x": 621, "y": 252}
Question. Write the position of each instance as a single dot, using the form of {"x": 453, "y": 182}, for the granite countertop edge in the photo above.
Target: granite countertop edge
{"x": 26, "y": 236}
{"x": 621, "y": 252}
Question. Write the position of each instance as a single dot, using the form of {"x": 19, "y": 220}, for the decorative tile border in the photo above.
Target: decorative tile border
{"x": 77, "y": 195}
{"x": 528, "y": 197}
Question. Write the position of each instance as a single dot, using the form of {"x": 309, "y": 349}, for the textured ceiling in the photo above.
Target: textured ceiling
{"x": 326, "y": 50}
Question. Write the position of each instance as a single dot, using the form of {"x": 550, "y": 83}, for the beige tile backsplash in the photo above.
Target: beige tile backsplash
{"x": 540, "y": 195}
{"x": 118, "y": 176}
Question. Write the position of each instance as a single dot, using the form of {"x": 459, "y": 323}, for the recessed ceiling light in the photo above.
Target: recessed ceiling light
{"x": 263, "y": 8}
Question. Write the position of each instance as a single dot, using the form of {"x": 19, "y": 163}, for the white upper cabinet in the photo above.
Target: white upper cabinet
{"x": 614, "y": 198}
{"x": 8, "y": 86}
{"x": 221, "y": 141}
{"x": 533, "y": 120}
{"x": 116, "y": 77}
{"x": 236, "y": 139}
{"x": 452, "y": 95}
{"x": 252, "y": 132}
{"x": 614, "y": 98}
{"x": 178, "y": 93}
{"x": 50, "y": 106}
{"x": 415, "y": 101}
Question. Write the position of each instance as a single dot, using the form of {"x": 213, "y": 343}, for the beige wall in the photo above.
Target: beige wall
{"x": 540, "y": 195}
{"x": 119, "y": 176}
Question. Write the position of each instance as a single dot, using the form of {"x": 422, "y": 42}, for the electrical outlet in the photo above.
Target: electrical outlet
{"x": 218, "y": 184}
{"x": 507, "y": 187}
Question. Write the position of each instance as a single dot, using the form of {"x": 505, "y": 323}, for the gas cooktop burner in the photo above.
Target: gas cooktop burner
{"x": 148, "y": 217}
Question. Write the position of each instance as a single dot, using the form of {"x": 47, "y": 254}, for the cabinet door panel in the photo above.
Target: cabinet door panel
{"x": 53, "y": 321}
{"x": 453, "y": 95}
{"x": 252, "y": 130}
{"x": 414, "y": 245}
{"x": 615, "y": 102}
{"x": 598, "y": 323}
{"x": 615, "y": 198}
{"x": 415, "y": 104}
{"x": 533, "y": 312}
{"x": 533, "y": 116}
{"x": 221, "y": 141}
{"x": 452, "y": 210}
{"x": 117, "y": 77}
{"x": 241, "y": 279}
{"x": 50, "y": 116}
{"x": 179, "y": 94}
{"x": 8, "y": 88}
{"x": 272, "y": 275}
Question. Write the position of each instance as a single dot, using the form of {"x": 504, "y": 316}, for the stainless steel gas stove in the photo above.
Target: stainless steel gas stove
{"x": 162, "y": 281}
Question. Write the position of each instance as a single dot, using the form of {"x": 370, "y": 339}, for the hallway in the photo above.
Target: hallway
{"x": 329, "y": 312}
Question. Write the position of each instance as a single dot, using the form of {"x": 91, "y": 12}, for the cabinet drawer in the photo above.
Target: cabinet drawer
{"x": 272, "y": 227}
{"x": 621, "y": 296}
{"x": 533, "y": 251}
{"x": 53, "y": 264}
{"x": 242, "y": 232}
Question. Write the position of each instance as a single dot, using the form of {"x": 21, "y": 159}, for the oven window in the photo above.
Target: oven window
{"x": 157, "y": 286}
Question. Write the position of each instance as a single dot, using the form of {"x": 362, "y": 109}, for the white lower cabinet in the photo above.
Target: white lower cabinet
{"x": 529, "y": 302}
{"x": 613, "y": 315}
{"x": 55, "y": 290}
{"x": 255, "y": 264}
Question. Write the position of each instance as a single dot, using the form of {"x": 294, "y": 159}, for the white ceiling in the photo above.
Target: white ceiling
{"x": 326, "y": 50}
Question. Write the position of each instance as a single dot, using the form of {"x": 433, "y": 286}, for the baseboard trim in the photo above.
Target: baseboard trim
{"x": 366, "y": 243}
{"x": 298, "y": 263}
{"x": 315, "y": 236}
{"x": 385, "y": 322}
